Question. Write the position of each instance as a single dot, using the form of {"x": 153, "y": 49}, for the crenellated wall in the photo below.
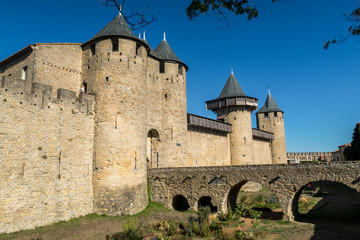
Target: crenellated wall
{"x": 46, "y": 147}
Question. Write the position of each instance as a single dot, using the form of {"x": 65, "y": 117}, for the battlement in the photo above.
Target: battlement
{"x": 40, "y": 95}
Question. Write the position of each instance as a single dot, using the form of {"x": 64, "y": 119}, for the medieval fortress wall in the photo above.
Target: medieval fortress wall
{"x": 66, "y": 153}
{"x": 46, "y": 146}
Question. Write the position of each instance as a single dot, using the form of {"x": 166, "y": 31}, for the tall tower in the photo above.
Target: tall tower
{"x": 271, "y": 119}
{"x": 235, "y": 108}
{"x": 173, "y": 106}
{"x": 114, "y": 70}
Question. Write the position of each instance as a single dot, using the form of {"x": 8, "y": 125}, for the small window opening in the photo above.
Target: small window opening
{"x": 24, "y": 73}
{"x": 84, "y": 87}
{"x": 266, "y": 115}
{"x": 180, "y": 70}
{"x": 162, "y": 67}
{"x": 166, "y": 95}
{"x": 115, "y": 44}
{"x": 275, "y": 114}
{"x": 92, "y": 49}
{"x": 107, "y": 79}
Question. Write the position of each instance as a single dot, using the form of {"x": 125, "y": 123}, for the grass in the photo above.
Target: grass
{"x": 150, "y": 209}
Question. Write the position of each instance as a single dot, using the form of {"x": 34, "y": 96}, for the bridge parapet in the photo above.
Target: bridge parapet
{"x": 222, "y": 183}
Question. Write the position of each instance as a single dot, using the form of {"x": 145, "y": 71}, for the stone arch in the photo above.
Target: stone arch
{"x": 233, "y": 193}
{"x": 206, "y": 201}
{"x": 152, "y": 148}
{"x": 180, "y": 203}
{"x": 294, "y": 205}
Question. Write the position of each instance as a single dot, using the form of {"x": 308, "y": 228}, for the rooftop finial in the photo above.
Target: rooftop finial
{"x": 139, "y": 35}
{"x": 144, "y": 38}
{"x": 120, "y": 9}
{"x": 232, "y": 71}
{"x": 269, "y": 89}
{"x": 164, "y": 36}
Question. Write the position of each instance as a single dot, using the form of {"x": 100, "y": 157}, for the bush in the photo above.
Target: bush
{"x": 130, "y": 232}
{"x": 167, "y": 227}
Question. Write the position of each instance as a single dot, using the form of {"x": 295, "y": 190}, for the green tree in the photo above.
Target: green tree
{"x": 352, "y": 152}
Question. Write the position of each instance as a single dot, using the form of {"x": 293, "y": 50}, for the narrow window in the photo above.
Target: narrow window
{"x": 24, "y": 73}
{"x": 275, "y": 114}
{"x": 180, "y": 70}
{"x": 266, "y": 115}
{"x": 115, "y": 44}
{"x": 162, "y": 67}
{"x": 92, "y": 49}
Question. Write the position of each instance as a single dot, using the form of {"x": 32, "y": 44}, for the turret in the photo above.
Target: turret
{"x": 271, "y": 119}
{"x": 235, "y": 108}
{"x": 173, "y": 135}
{"x": 114, "y": 68}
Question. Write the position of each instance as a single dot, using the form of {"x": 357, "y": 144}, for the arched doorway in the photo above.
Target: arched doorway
{"x": 153, "y": 142}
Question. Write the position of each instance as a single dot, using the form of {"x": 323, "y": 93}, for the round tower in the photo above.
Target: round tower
{"x": 172, "y": 75}
{"x": 114, "y": 70}
{"x": 271, "y": 119}
{"x": 235, "y": 108}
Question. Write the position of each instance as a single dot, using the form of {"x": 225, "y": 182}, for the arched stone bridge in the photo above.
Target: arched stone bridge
{"x": 222, "y": 183}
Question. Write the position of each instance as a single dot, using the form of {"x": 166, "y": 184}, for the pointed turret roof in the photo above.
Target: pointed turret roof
{"x": 232, "y": 88}
{"x": 270, "y": 105}
{"x": 165, "y": 52}
{"x": 117, "y": 27}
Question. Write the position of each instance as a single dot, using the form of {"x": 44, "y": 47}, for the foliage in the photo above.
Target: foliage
{"x": 220, "y": 7}
{"x": 167, "y": 227}
{"x": 203, "y": 215}
{"x": 353, "y": 30}
{"x": 352, "y": 152}
{"x": 130, "y": 231}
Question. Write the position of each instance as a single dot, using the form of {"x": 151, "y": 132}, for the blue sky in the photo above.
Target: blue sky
{"x": 318, "y": 90}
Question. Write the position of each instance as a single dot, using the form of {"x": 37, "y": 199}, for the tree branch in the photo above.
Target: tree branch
{"x": 136, "y": 19}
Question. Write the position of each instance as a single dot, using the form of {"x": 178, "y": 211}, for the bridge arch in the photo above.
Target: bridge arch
{"x": 180, "y": 203}
{"x": 295, "y": 200}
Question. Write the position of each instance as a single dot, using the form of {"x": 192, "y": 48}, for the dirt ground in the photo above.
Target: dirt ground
{"x": 334, "y": 214}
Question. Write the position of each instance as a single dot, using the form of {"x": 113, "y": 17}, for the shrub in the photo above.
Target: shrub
{"x": 167, "y": 227}
{"x": 130, "y": 232}
{"x": 203, "y": 214}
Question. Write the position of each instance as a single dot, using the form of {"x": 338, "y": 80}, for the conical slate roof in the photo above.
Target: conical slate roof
{"x": 270, "y": 105}
{"x": 117, "y": 27}
{"x": 165, "y": 52}
{"x": 232, "y": 88}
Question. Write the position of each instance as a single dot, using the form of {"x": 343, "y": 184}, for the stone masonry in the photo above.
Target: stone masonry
{"x": 222, "y": 183}
{"x": 67, "y": 152}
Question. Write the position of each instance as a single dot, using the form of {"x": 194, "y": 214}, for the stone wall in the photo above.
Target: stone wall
{"x": 119, "y": 86}
{"x": 309, "y": 156}
{"x": 46, "y": 148}
{"x": 262, "y": 151}
{"x": 58, "y": 65}
{"x": 207, "y": 148}
{"x": 223, "y": 183}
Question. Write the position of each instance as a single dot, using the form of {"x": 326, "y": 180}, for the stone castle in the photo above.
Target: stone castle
{"x": 66, "y": 153}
